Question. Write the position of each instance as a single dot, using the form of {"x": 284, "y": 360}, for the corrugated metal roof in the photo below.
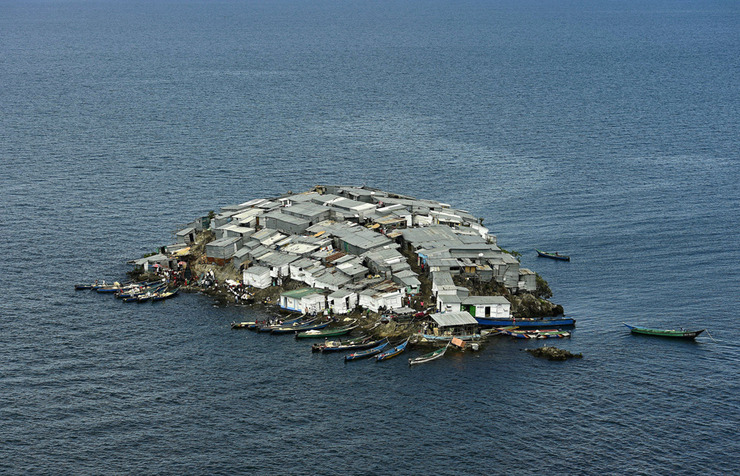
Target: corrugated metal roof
{"x": 483, "y": 300}
{"x": 448, "y": 319}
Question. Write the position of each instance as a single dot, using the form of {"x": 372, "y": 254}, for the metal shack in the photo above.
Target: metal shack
{"x": 221, "y": 251}
{"x": 305, "y": 300}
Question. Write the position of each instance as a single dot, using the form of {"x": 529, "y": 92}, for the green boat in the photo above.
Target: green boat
{"x": 321, "y": 333}
{"x": 678, "y": 334}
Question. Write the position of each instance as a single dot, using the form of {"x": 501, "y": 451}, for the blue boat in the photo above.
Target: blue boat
{"x": 363, "y": 354}
{"x": 390, "y": 353}
{"x": 526, "y": 322}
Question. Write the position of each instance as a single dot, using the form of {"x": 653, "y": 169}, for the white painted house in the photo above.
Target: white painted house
{"x": 305, "y": 300}
{"x": 342, "y": 301}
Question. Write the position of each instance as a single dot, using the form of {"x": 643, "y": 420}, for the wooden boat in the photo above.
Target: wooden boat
{"x": 79, "y": 287}
{"x": 162, "y": 295}
{"x": 448, "y": 337}
{"x": 363, "y": 354}
{"x": 319, "y": 333}
{"x": 536, "y": 323}
{"x": 436, "y": 354}
{"x": 674, "y": 333}
{"x": 535, "y": 333}
{"x": 306, "y": 327}
{"x": 242, "y": 325}
{"x": 555, "y": 255}
{"x": 265, "y": 326}
{"x": 390, "y": 353}
{"x": 353, "y": 344}
{"x": 137, "y": 290}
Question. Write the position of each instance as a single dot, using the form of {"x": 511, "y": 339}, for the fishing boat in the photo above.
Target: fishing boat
{"x": 434, "y": 355}
{"x": 265, "y": 326}
{"x": 363, "y": 354}
{"x": 300, "y": 328}
{"x": 551, "y": 255}
{"x": 674, "y": 333}
{"x": 79, "y": 287}
{"x": 242, "y": 325}
{"x": 319, "y": 333}
{"x": 536, "y": 323}
{"x": 535, "y": 333}
{"x": 137, "y": 290}
{"x": 390, "y": 353}
{"x": 353, "y": 344}
{"x": 162, "y": 295}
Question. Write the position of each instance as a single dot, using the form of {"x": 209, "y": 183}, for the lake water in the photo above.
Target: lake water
{"x": 604, "y": 130}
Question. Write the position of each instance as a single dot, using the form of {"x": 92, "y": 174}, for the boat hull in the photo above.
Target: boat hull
{"x": 530, "y": 323}
{"x": 670, "y": 333}
{"x": 545, "y": 254}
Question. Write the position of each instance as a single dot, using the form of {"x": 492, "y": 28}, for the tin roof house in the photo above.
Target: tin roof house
{"x": 487, "y": 306}
{"x": 386, "y": 294}
{"x": 304, "y": 300}
{"x": 284, "y": 222}
{"x": 257, "y": 276}
{"x": 342, "y": 301}
{"x": 221, "y": 251}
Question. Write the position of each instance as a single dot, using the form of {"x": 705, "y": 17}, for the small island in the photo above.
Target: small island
{"x": 390, "y": 265}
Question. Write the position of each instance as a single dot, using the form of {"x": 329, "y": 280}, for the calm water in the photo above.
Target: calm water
{"x": 606, "y": 130}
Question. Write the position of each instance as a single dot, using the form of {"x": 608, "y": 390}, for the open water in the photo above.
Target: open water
{"x": 607, "y": 130}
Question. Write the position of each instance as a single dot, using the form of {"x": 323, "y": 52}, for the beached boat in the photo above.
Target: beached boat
{"x": 555, "y": 255}
{"x": 265, "y": 326}
{"x": 674, "y": 333}
{"x": 137, "y": 290}
{"x": 322, "y": 333}
{"x": 363, "y": 354}
{"x": 436, "y": 354}
{"x": 162, "y": 295}
{"x": 300, "y": 328}
{"x": 537, "y": 323}
{"x": 339, "y": 346}
{"x": 535, "y": 333}
{"x": 447, "y": 337}
{"x": 390, "y": 353}
{"x": 242, "y": 325}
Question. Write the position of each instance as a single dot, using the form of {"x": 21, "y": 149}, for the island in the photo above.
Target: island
{"x": 355, "y": 257}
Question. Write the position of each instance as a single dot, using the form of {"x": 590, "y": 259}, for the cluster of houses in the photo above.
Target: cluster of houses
{"x": 345, "y": 243}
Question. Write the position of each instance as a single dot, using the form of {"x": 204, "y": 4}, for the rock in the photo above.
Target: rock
{"x": 553, "y": 353}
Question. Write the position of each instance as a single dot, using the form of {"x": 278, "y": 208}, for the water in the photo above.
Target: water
{"x": 605, "y": 130}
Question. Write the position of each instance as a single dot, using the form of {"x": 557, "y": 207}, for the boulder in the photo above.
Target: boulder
{"x": 553, "y": 353}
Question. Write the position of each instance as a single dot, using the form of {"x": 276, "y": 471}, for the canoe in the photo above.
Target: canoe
{"x": 318, "y": 347}
{"x": 430, "y": 356}
{"x": 363, "y": 354}
{"x": 675, "y": 333}
{"x": 143, "y": 289}
{"x": 160, "y": 296}
{"x": 79, "y": 287}
{"x": 390, "y": 353}
{"x": 555, "y": 255}
{"x": 319, "y": 333}
{"x": 292, "y": 323}
{"x": 448, "y": 338}
{"x": 537, "y": 323}
{"x": 338, "y": 346}
{"x": 535, "y": 333}
{"x": 242, "y": 325}
{"x": 306, "y": 327}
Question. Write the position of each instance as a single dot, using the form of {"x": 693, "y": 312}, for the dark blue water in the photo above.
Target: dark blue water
{"x": 606, "y": 130}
